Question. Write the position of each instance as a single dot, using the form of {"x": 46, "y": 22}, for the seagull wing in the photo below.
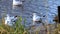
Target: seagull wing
{"x": 37, "y": 18}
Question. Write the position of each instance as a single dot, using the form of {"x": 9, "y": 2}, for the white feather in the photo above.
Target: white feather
{"x": 10, "y": 20}
{"x": 17, "y": 2}
{"x": 36, "y": 17}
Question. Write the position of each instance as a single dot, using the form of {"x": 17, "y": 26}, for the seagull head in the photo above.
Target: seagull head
{"x": 15, "y": 16}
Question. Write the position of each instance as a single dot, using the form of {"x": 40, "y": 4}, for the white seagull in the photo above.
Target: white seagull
{"x": 36, "y": 17}
{"x": 17, "y": 2}
{"x": 10, "y": 20}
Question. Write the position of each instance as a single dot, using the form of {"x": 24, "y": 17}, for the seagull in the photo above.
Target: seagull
{"x": 36, "y": 17}
{"x": 10, "y": 20}
{"x": 17, "y": 2}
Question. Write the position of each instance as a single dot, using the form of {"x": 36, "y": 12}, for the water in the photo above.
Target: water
{"x": 41, "y": 7}
{"x": 27, "y": 9}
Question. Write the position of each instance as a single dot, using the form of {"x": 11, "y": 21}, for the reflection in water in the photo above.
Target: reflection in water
{"x": 17, "y": 6}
